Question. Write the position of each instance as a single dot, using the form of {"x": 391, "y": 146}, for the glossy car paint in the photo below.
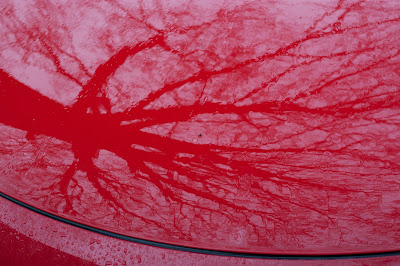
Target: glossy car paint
{"x": 29, "y": 238}
{"x": 264, "y": 127}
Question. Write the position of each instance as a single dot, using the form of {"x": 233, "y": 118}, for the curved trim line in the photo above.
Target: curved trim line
{"x": 198, "y": 250}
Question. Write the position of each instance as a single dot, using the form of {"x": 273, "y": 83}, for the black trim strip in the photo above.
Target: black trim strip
{"x": 198, "y": 250}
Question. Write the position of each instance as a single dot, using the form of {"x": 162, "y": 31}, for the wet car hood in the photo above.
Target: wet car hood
{"x": 259, "y": 127}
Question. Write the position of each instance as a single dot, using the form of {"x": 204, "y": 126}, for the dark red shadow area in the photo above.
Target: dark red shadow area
{"x": 258, "y": 127}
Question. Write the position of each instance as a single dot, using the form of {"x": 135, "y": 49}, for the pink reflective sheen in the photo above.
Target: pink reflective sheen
{"x": 249, "y": 126}
{"x": 33, "y": 239}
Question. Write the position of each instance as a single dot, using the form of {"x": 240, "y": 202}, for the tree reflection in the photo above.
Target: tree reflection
{"x": 240, "y": 128}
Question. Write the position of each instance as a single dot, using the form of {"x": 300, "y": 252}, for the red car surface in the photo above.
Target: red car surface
{"x": 212, "y": 132}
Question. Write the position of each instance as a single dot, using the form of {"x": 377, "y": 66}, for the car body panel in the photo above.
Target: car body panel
{"x": 29, "y": 238}
{"x": 259, "y": 127}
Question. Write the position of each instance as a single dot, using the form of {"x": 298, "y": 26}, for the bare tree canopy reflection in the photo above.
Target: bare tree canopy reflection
{"x": 257, "y": 126}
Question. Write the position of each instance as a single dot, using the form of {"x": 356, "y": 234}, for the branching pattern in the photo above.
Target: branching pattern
{"x": 180, "y": 124}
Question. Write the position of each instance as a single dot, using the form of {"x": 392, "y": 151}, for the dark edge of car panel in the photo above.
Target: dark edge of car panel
{"x": 198, "y": 250}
